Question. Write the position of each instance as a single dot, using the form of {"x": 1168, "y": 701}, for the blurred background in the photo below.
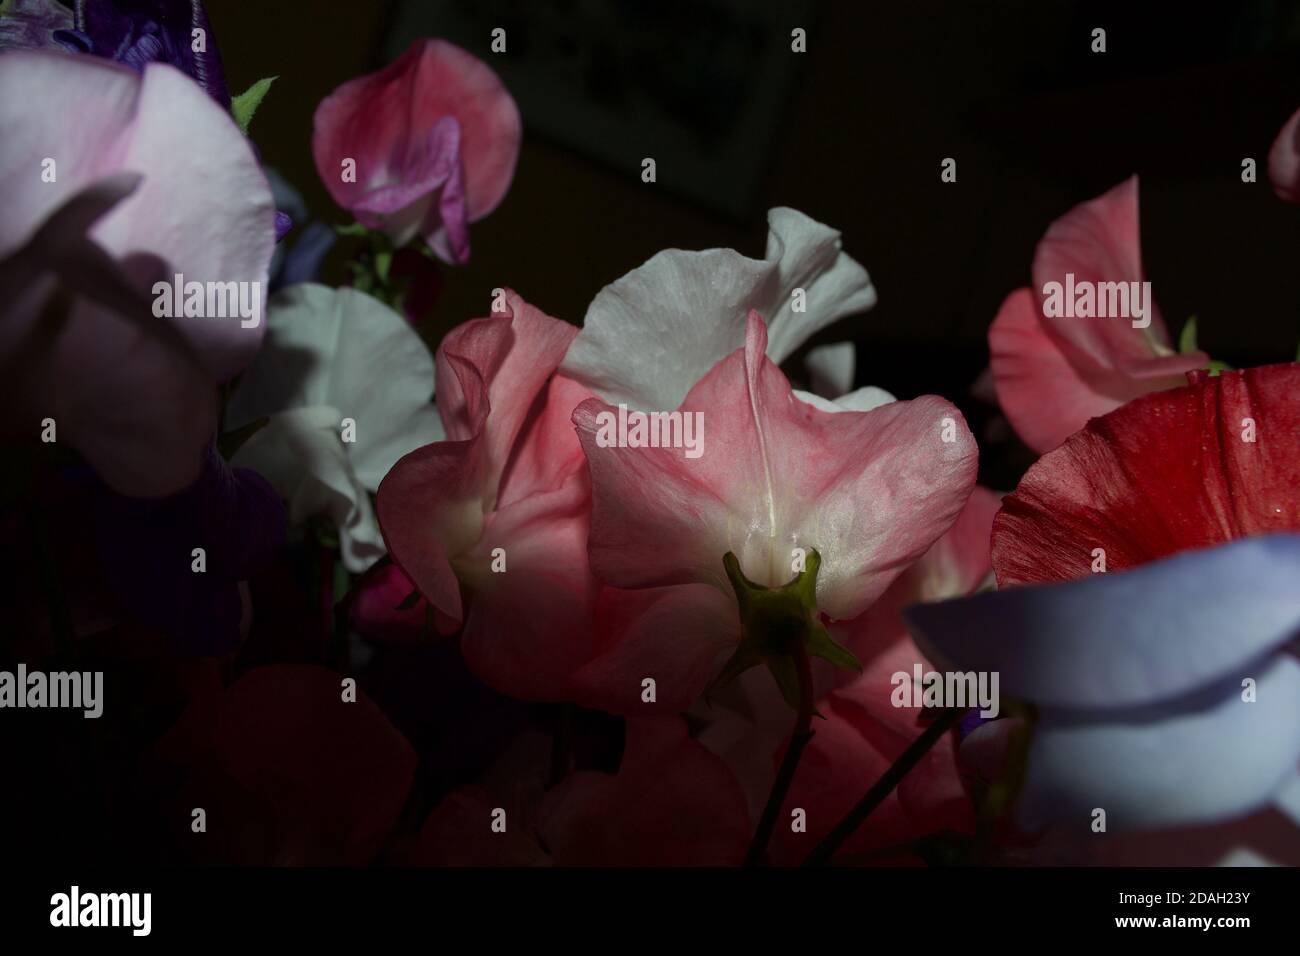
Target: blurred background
{"x": 851, "y": 132}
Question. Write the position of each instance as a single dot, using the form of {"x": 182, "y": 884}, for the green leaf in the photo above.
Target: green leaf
{"x": 1187, "y": 341}
{"x": 351, "y": 229}
{"x": 246, "y": 103}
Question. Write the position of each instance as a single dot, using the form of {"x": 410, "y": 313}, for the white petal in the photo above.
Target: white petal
{"x": 651, "y": 335}
{"x": 301, "y": 454}
{"x": 831, "y": 368}
{"x": 346, "y": 350}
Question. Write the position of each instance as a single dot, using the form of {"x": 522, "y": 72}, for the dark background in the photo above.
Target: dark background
{"x": 1010, "y": 88}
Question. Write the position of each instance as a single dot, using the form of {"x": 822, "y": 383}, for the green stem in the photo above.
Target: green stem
{"x": 882, "y": 788}
{"x": 803, "y": 734}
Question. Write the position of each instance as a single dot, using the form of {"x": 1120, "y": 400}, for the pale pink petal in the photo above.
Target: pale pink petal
{"x": 870, "y": 490}
{"x": 1044, "y": 395}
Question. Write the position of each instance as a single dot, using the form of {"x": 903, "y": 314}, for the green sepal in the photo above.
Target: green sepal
{"x": 775, "y": 622}
{"x": 243, "y": 106}
{"x": 1187, "y": 340}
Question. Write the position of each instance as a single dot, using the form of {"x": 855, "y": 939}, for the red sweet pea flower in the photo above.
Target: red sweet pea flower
{"x": 1053, "y": 374}
{"x": 1188, "y": 468}
{"x": 433, "y": 138}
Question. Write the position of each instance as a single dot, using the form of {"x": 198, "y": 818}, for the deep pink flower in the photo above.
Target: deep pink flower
{"x": 1053, "y": 374}
{"x": 432, "y": 139}
{"x": 150, "y": 178}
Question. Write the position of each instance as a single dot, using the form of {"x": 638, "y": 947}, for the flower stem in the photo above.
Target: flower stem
{"x": 803, "y": 733}
{"x": 882, "y": 788}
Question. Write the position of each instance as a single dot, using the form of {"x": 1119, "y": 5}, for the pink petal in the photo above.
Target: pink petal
{"x": 1054, "y": 374}
{"x": 861, "y": 737}
{"x": 1098, "y": 242}
{"x": 433, "y": 504}
{"x": 529, "y": 626}
{"x": 1284, "y": 160}
{"x": 671, "y": 803}
{"x": 434, "y": 115}
{"x": 678, "y": 636}
{"x": 870, "y": 490}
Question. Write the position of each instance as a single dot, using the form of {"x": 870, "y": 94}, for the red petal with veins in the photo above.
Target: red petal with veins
{"x": 1165, "y": 473}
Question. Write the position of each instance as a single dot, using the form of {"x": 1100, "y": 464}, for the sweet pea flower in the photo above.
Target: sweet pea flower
{"x": 650, "y": 336}
{"x": 861, "y": 733}
{"x": 1148, "y": 653}
{"x": 491, "y": 523}
{"x": 35, "y": 25}
{"x": 1053, "y": 374}
{"x": 347, "y": 387}
{"x": 138, "y": 32}
{"x": 423, "y": 147}
{"x": 79, "y": 254}
{"x": 1165, "y": 694}
{"x": 869, "y": 492}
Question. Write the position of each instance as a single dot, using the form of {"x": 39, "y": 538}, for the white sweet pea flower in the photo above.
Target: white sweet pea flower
{"x": 651, "y": 335}
{"x": 347, "y": 385}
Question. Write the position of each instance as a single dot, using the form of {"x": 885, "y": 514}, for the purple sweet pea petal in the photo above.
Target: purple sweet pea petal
{"x": 283, "y": 223}
{"x": 33, "y": 25}
{"x": 138, "y": 32}
{"x": 1129, "y": 638}
{"x": 146, "y": 547}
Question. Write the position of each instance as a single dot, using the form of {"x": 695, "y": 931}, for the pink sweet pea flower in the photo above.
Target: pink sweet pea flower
{"x": 498, "y": 512}
{"x": 423, "y": 147}
{"x": 869, "y": 490}
{"x": 862, "y": 733}
{"x": 1053, "y": 374}
{"x": 115, "y": 181}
